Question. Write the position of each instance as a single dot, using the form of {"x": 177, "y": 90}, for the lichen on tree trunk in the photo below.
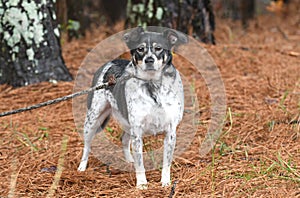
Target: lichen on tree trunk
{"x": 29, "y": 39}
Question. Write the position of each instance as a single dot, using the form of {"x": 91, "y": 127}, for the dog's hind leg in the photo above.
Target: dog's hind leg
{"x": 126, "y": 147}
{"x": 169, "y": 145}
{"x": 96, "y": 119}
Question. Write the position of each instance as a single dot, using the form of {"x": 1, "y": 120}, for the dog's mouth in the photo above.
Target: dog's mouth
{"x": 150, "y": 68}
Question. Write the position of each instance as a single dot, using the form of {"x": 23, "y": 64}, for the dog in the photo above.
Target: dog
{"x": 147, "y": 98}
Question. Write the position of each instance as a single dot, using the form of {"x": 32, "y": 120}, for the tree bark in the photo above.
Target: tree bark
{"x": 29, "y": 39}
{"x": 247, "y": 12}
{"x": 114, "y": 10}
{"x": 62, "y": 12}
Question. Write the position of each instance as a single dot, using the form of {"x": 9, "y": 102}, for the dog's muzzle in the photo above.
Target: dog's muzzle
{"x": 149, "y": 61}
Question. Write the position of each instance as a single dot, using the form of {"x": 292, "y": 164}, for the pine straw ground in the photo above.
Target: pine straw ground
{"x": 258, "y": 154}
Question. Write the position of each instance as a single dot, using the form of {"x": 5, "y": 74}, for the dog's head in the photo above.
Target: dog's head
{"x": 151, "y": 51}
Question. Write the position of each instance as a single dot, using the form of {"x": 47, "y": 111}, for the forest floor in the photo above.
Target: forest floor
{"x": 257, "y": 155}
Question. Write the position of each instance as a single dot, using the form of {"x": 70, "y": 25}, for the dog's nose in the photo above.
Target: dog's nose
{"x": 149, "y": 60}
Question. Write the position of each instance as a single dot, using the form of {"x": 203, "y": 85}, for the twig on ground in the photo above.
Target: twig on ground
{"x": 173, "y": 189}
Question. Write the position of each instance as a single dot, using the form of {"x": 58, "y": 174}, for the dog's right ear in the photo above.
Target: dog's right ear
{"x": 175, "y": 37}
{"x": 132, "y": 37}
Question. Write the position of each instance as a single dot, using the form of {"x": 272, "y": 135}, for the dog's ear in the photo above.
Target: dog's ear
{"x": 175, "y": 38}
{"x": 133, "y": 37}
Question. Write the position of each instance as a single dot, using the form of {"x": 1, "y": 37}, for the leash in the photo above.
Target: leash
{"x": 111, "y": 81}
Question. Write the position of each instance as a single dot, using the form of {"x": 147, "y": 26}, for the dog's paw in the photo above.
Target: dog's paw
{"x": 141, "y": 181}
{"x": 165, "y": 179}
{"x": 81, "y": 169}
{"x": 82, "y": 166}
{"x": 165, "y": 184}
{"x": 142, "y": 186}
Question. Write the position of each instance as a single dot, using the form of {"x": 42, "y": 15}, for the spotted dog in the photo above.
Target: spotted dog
{"x": 147, "y": 98}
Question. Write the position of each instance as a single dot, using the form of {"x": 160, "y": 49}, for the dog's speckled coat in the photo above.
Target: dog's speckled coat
{"x": 147, "y": 98}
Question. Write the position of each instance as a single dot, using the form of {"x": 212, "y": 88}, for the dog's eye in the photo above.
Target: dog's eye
{"x": 158, "y": 48}
{"x": 141, "y": 49}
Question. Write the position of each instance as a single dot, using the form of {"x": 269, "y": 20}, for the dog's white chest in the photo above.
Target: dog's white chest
{"x": 154, "y": 109}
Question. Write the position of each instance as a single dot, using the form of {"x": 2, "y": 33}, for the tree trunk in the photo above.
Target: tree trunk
{"x": 247, "y": 11}
{"x": 203, "y": 22}
{"x": 113, "y": 10}
{"x": 29, "y": 40}
{"x": 243, "y": 10}
{"x": 189, "y": 16}
{"x": 62, "y": 12}
{"x": 145, "y": 13}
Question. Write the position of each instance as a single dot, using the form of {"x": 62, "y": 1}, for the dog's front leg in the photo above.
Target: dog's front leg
{"x": 169, "y": 145}
{"x": 137, "y": 151}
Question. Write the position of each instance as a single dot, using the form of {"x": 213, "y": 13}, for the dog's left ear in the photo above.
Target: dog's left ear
{"x": 175, "y": 38}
